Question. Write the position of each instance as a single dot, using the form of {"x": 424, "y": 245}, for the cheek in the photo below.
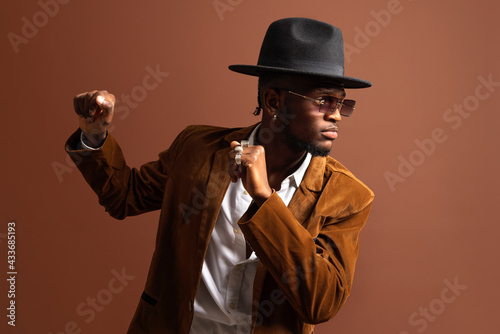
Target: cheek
{"x": 303, "y": 120}
{"x": 311, "y": 118}
{"x": 305, "y": 126}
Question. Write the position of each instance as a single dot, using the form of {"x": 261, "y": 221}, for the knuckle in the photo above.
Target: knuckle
{"x": 102, "y": 93}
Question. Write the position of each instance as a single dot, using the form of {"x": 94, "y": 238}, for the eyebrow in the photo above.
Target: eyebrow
{"x": 331, "y": 92}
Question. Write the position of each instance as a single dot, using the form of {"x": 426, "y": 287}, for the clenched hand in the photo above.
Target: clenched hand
{"x": 95, "y": 112}
{"x": 252, "y": 171}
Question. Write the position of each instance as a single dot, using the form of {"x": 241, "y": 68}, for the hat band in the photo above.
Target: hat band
{"x": 304, "y": 65}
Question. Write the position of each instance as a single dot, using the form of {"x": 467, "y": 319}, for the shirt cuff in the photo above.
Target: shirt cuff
{"x": 84, "y": 146}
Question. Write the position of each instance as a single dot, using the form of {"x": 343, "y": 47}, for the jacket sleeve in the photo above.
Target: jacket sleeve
{"x": 314, "y": 273}
{"x": 122, "y": 190}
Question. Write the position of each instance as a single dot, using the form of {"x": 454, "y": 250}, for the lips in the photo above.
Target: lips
{"x": 330, "y": 132}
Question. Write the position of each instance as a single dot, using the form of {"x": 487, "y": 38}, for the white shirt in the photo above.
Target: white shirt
{"x": 223, "y": 303}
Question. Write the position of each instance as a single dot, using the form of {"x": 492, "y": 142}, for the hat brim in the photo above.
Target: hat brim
{"x": 257, "y": 70}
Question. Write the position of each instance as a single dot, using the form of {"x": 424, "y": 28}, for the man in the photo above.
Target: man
{"x": 274, "y": 250}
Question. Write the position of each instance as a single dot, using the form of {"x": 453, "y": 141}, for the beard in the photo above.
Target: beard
{"x": 301, "y": 145}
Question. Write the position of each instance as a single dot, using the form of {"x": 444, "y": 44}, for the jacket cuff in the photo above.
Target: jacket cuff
{"x": 271, "y": 225}
{"x": 109, "y": 155}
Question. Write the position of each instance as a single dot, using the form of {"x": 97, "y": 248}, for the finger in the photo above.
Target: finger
{"x": 89, "y": 105}
{"x": 235, "y": 168}
{"x": 108, "y": 96}
{"x": 251, "y": 156}
{"x": 246, "y": 158}
{"x": 235, "y": 153}
{"x": 106, "y": 103}
{"x": 105, "y": 100}
{"x": 79, "y": 104}
{"x": 234, "y": 143}
{"x": 99, "y": 103}
{"x": 233, "y": 171}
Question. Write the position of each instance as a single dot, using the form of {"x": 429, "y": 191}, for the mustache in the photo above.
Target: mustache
{"x": 333, "y": 127}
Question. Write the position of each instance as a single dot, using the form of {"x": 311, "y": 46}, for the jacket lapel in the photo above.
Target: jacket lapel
{"x": 306, "y": 195}
{"x": 218, "y": 182}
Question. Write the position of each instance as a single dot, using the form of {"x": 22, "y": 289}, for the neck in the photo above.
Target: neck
{"x": 281, "y": 159}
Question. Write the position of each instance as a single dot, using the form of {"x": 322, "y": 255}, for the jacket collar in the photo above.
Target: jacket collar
{"x": 240, "y": 134}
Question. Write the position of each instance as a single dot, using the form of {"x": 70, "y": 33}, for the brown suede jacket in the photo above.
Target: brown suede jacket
{"x": 307, "y": 250}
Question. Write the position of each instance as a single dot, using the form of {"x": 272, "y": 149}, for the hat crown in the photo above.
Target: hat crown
{"x": 303, "y": 44}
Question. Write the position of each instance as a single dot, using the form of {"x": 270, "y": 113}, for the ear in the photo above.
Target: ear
{"x": 270, "y": 101}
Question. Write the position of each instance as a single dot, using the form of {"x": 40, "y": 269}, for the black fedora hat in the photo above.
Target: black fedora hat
{"x": 304, "y": 47}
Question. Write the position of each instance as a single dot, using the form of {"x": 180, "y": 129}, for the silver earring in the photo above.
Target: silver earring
{"x": 274, "y": 117}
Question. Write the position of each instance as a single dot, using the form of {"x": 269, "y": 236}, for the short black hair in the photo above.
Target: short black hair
{"x": 265, "y": 81}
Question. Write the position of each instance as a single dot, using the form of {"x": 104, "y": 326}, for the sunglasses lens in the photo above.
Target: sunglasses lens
{"x": 330, "y": 104}
{"x": 347, "y": 108}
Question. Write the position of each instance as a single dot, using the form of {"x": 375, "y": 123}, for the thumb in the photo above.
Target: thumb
{"x": 105, "y": 105}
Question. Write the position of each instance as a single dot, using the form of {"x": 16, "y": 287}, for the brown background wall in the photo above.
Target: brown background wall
{"x": 434, "y": 171}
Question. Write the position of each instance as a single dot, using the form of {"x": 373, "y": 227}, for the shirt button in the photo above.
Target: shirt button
{"x": 238, "y": 266}
{"x": 246, "y": 192}
{"x": 236, "y": 230}
{"x": 190, "y": 306}
{"x": 232, "y": 306}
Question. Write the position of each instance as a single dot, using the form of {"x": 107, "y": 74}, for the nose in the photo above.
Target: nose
{"x": 335, "y": 116}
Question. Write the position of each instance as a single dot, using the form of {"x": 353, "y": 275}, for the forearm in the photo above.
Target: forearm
{"x": 121, "y": 190}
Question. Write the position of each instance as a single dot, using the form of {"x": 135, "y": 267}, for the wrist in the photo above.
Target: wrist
{"x": 261, "y": 198}
{"x": 92, "y": 141}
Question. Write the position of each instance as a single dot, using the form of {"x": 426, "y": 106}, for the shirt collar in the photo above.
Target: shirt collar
{"x": 297, "y": 176}
{"x": 251, "y": 139}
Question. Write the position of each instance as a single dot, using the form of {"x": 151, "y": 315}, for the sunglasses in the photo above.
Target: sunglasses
{"x": 329, "y": 104}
